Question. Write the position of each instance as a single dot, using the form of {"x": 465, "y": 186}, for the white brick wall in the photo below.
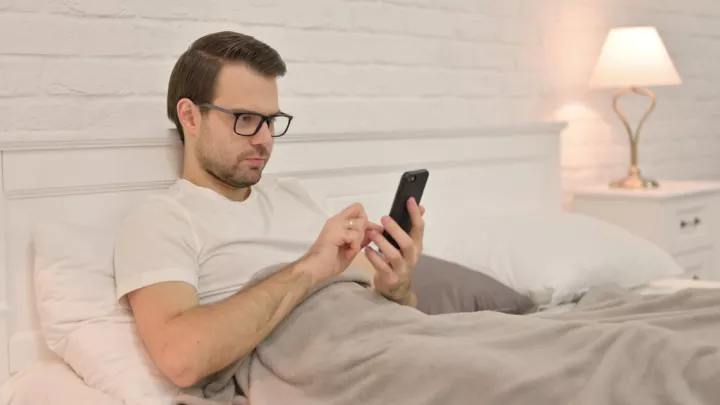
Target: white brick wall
{"x": 100, "y": 68}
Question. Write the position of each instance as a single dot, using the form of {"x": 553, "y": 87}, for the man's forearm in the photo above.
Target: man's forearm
{"x": 216, "y": 335}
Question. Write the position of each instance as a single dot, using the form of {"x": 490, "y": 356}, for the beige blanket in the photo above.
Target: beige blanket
{"x": 346, "y": 345}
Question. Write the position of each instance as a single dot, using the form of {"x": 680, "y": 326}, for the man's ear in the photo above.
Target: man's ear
{"x": 189, "y": 116}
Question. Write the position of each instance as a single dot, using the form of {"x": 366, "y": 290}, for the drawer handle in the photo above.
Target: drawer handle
{"x": 695, "y": 277}
{"x": 695, "y": 222}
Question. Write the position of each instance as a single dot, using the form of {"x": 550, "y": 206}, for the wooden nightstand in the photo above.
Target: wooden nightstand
{"x": 682, "y": 217}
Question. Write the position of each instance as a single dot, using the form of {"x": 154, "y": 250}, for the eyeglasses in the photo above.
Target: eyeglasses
{"x": 249, "y": 123}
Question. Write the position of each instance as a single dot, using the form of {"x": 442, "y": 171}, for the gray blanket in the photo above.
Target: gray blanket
{"x": 344, "y": 344}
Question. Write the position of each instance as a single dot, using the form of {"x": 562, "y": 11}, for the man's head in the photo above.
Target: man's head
{"x": 221, "y": 93}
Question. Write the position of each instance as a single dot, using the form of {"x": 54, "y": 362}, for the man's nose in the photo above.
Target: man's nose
{"x": 263, "y": 135}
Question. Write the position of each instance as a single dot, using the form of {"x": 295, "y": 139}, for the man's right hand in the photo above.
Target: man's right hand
{"x": 341, "y": 239}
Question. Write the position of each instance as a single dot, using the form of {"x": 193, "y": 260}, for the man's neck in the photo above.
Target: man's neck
{"x": 204, "y": 179}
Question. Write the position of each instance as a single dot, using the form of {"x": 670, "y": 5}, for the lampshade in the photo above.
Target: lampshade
{"x": 634, "y": 57}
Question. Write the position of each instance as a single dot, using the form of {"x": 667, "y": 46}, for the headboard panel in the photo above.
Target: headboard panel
{"x": 475, "y": 174}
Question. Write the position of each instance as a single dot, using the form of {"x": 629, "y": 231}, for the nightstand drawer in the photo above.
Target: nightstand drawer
{"x": 697, "y": 265}
{"x": 688, "y": 224}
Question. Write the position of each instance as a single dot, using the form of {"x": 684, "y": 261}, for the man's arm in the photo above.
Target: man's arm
{"x": 189, "y": 342}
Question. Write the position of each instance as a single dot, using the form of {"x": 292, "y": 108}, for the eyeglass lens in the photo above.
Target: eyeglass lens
{"x": 247, "y": 124}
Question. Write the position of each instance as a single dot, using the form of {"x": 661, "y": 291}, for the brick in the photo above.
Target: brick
{"x": 478, "y": 28}
{"x": 23, "y": 5}
{"x": 486, "y": 7}
{"x": 316, "y": 14}
{"x": 393, "y": 81}
{"x": 60, "y": 35}
{"x": 538, "y": 11}
{"x": 532, "y": 58}
{"x": 404, "y": 20}
{"x": 72, "y": 36}
{"x": 210, "y": 10}
{"x": 329, "y": 115}
{"x": 357, "y": 115}
{"x": 515, "y": 31}
{"x": 80, "y": 113}
{"x": 520, "y": 84}
{"x": 40, "y": 35}
{"x": 693, "y": 7}
{"x": 20, "y": 77}
{"x": 295, "y": 14}
{"x": 350, "y": 48}
{"x": 408, "y": 51}
{"x": 481, "y": 55}
{"x": 106, "y": 8}
{"x": 106, "y": 77}
{"x": 317, "y": 46}
{"x": 404, "y": 2}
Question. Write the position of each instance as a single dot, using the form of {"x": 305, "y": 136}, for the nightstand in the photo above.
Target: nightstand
{"x": 682, "y": 217}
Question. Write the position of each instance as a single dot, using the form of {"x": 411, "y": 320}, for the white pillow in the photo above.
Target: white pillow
{"x": 48, "y": 383}
{"x": 562, "y": 254}
{"x": 81, "y": 319}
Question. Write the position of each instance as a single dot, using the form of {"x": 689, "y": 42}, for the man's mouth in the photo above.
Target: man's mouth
{"x": 256, "y": 161}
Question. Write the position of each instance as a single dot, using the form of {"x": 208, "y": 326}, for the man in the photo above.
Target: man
{"x": 183, "y": 255}
{"x": 185, "y": 258}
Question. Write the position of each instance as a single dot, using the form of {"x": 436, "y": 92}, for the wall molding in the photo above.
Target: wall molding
{"x": 79, "y": 190}
{"x": 37, "y": 145}
{"x": 23, "y": 141}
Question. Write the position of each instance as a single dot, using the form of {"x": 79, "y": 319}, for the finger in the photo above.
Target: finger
{"x": 352, "y": 237}
{"x": 358, "y": 224}
{"x": 404, "y": 241}
{"x": 418, "y": 223}
{"x": 372, "y": 226}
{"x": 381, "y": 266}
{"x": 356, "y": 210}
{"x": 389, "y": 252}
{"x": 422, "y": 210}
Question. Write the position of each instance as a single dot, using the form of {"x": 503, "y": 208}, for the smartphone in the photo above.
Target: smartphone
{"x": 412, "y": 184}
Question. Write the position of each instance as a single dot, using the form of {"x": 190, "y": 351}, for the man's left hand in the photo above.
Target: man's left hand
{"x": 393, "y": 266}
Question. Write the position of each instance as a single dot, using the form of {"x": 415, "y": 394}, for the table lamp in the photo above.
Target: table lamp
{"x": 632, "y": 59}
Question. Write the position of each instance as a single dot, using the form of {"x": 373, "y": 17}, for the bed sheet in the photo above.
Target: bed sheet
{"x": 51, "y": 383}
{"x": 658, "y": 287}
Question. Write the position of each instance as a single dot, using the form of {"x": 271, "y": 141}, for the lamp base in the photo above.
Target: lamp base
{"x": 635, "y": 180}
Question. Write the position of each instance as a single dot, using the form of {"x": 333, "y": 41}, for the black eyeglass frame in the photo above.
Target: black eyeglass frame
{"x": 238, "y": 114}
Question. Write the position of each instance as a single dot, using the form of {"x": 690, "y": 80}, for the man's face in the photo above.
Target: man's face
{"x": 236, "y": 160}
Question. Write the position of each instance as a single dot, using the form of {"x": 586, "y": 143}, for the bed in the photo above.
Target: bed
{"x": 477, "y": 177}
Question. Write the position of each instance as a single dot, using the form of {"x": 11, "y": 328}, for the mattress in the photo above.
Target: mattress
{"x": 51, "y": 383}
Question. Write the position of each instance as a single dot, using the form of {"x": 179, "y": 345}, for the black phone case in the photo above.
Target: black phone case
{"x": 412, "y": 184}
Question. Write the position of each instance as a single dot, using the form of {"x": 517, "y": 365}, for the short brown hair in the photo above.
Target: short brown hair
{"x": 196, "y": 70}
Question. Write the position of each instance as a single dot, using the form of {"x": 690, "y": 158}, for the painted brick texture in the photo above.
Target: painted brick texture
{"x": 100, "y": 68}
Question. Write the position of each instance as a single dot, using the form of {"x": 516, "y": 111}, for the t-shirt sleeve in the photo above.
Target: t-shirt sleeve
{"x": 155, "y": 243}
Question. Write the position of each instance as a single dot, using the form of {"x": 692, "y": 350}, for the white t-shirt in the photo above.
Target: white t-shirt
{"x": 195, "y": 235}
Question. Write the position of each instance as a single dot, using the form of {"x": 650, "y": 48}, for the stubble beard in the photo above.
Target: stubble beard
{"x": 233, "y": 175}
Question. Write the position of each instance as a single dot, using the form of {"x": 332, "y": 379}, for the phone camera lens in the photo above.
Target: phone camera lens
{"x": 412, "y": 178}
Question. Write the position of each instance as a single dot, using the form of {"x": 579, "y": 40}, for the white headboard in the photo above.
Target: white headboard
{"x": 473, "y": 174}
